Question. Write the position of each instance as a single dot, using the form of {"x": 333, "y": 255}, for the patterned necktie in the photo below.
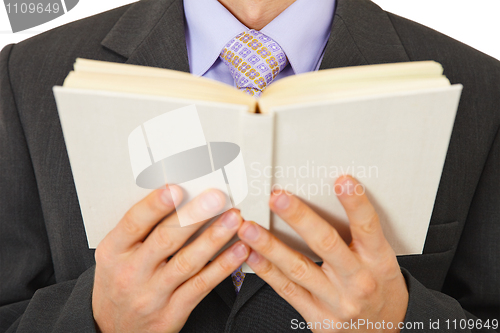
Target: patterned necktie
{"x": 254, "y": 61}
{"x": 237, "y": 276}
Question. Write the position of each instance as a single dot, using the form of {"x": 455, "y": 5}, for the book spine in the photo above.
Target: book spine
{"x": 257, "y": 134}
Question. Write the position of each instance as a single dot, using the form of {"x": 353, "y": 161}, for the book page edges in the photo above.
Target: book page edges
{"x": 185, "y": 101}
{"x": 356, "y": 90}
{"x": 405, "y": 70}
{"x": 158, "y": 86}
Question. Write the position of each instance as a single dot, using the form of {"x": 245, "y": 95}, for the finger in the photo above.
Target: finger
{"x": 141, "y": 218}
{"x": 189, "y": 294}
{"x": 192, "y": 258}
{"x": 321, "y": 237}
{"x": 294, "y": 265}
{"x": 293, "y": 293}
{"x": 367, "y": 234}
{"x": 168, "y": 236}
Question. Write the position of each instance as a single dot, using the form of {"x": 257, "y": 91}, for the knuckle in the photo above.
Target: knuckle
{"x": 138, "y": 306}
{"x": 268, "y": 244}
{"x": 329, "y": 242}
{"x": 289, "y": 288}
{"x": 215, "y": 233}
{"x": 154, "y": 205}
{"x": 371, "y": 224}
{"x": 200, "y": 284}
{"x": 300, "y": 269}
{"x": 130, "y": 223}
{"x": 300, "y": 211}
{"x": 350, "y": 310}
{"x": 266, "y": 268}
{"x": 181, "y": 264}
{"x": 388, "y": 268}
{"x": 225, "y": 265}
{"x": 142, "y": 305}
{"x": 194, "y": 210}
{"x": 366, "y": 284}
{"x": 162, "y": 238}
{"x": 191, "y": 212}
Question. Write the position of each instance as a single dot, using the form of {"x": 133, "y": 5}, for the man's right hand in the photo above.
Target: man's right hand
{"x": 136, "y": 289}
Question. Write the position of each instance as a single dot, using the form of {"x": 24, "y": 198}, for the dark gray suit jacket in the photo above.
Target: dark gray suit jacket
{"x": 46, "y": 271}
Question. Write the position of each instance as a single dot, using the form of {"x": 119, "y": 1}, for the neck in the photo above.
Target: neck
{"x": 256, "y": 14}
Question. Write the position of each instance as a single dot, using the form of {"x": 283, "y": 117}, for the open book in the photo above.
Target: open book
{"x": 387, "y": 125}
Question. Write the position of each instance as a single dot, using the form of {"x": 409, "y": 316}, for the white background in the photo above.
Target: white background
{"x": 474, "y": 22}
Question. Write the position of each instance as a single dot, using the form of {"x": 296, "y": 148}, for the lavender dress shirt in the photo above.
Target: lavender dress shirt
{"x": 302, "y": 30}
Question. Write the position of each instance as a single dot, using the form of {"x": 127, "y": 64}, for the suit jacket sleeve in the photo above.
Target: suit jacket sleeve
{"x": 471, "y": 293}
{"x": 29, "y": 299}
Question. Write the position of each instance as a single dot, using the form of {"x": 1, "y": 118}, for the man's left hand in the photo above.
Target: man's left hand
{"x": 359, "y": 281}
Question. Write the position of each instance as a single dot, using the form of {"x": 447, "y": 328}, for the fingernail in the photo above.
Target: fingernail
{"x": 346, "y": 187}
{"x": 176, "y": 194}
{"x": 282, "y": 201}
{"x": 253, "y": 258}
{"x": 230, "y": 220}
{"x": 240, "y": 251}
{"x": 349, "y": 187}
{"x": 210, "y": 201}
{"x": 167, "y": 197}
{"x": 251, "y": 232}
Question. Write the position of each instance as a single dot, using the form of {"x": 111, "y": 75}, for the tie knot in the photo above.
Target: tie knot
{"x": 254, "y": 61}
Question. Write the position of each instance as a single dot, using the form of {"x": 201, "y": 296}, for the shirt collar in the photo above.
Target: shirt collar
{"x": 302, "y": 30}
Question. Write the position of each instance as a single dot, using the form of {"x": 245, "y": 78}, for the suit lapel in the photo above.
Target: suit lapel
{"x": 361, "y": 34}
{"x": 151, "y": 33}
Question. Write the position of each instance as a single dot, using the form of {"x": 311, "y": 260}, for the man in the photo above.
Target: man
{"x": 48, "y": 278}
